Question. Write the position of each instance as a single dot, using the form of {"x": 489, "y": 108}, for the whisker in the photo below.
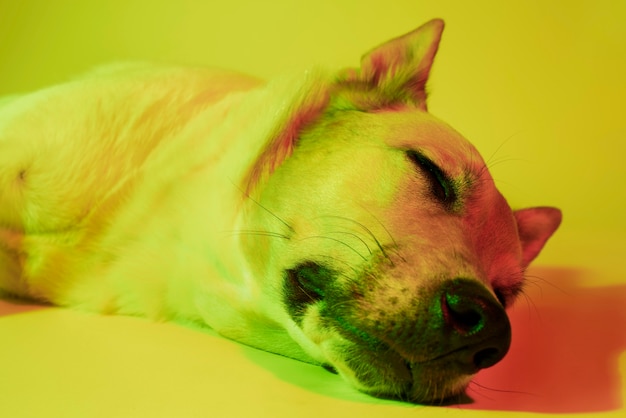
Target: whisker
{"x": 393, "y": 240}
{"x": 369, "y": 232}
{"x": 355, "y": 236}
{"x": 478, "y": 392}
{"x": 530, "y": 303}
{"x": 263, "y": 207}
{"x": 336, "y": 240}
{"x": 260, "y": 233}
{"x": 502, "y": 144}
{"x": 541, "y": 279}
{"x": 490, "y": 162}
{"x": 518, "y": 392}
{"x": 350, "y": 266}
{"x": 502, "y": 160}
{"x": 529, "y": 282}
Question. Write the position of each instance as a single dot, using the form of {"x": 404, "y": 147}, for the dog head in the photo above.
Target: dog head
{"x": 383, "y": 240}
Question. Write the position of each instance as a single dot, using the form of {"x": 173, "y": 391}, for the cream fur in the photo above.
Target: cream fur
{"x": 191, "y": 194}
{"x": 106, "y": 180}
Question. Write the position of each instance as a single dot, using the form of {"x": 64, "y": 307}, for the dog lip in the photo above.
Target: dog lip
{"x": 329, "y": 368}
{"x": 394, "y": 364}
{"x": 469, "y": 367}
{"x": 380, "y": 345}
{"x": 405, "y": 378}
{"x": 465, "y": 369}
{"x": 416, "y": 388}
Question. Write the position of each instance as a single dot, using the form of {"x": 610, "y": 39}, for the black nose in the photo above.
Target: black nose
{"x": 475, "y": 323}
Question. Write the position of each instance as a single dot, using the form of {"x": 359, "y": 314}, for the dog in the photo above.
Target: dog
{"x": 324, "y": 216}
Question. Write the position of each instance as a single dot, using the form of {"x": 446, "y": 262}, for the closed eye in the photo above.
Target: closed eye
{"x": 440, "y": 184}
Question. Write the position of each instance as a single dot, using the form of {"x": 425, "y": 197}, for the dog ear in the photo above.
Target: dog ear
{"x": 535, "y": 226}
{"x": 395, "y": 72}
{"x": 291, "y": 105}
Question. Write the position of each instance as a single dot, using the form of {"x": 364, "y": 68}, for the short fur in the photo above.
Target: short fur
{"x": 317, "y": 216}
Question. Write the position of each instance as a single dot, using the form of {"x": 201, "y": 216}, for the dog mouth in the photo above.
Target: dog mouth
{"x": 386, "y": 373}
{"x": 425, "y": 353}
{"x": 377, "y": 368}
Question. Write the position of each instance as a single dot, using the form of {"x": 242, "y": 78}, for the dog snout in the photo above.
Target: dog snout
{"x": 475, "y": 324}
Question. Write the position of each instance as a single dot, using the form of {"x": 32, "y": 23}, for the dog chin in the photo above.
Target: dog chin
{"x": 388, "y": 375}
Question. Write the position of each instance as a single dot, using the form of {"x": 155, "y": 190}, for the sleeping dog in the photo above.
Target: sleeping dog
{"x": 324, "y": 216}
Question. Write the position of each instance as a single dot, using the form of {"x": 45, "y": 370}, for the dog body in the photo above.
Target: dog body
{"x": 112, "y": 192}
{"x": 326, "y": 217}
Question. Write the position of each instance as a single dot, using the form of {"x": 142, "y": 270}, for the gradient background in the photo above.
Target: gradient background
{"x": 538, "y": 86}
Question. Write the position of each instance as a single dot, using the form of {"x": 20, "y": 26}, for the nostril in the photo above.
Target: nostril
{"x": 487, "y": 357}
{"x": 477, "y": 332}
{"x": 465, "y": 314}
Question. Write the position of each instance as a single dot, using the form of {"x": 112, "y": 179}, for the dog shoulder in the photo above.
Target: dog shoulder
{"x": 73, "y": 147}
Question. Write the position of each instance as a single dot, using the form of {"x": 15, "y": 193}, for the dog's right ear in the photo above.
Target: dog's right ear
{"x": 535, "y": 226}
{"x": 394, "y": 73}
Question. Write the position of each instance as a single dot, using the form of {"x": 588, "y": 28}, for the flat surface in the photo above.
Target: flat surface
{"x": 568, "y": 356}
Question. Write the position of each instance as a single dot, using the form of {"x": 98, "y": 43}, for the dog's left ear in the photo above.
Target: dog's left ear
{"x": 535, "y": 227}
{"x": 394, "y": 72}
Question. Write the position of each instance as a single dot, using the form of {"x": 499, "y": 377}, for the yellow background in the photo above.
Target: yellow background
{"x": 538, "y": 86}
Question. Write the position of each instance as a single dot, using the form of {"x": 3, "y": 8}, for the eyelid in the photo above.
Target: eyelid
{"x": 440, "y": 184}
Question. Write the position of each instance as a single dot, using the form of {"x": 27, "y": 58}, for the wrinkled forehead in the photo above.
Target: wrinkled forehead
{"x": 423, "y": 132}
{"x": 409, "y": 129}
